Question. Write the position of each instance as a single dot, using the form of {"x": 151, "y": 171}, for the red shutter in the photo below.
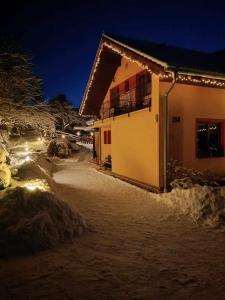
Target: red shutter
{"x": 105, "y": 137}
{"x": 109, "y": 137}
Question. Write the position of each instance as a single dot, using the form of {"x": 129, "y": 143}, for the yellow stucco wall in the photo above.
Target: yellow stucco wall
{"x": 192, "y": 102}
{"x": 135, "y": 147}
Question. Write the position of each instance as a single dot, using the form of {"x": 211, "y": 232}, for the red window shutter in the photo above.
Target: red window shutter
{"x": 109, "y": 137}
{"x": 105, "y": 137}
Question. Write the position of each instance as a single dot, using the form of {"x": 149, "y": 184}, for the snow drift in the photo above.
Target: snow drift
{"x": 31, "y": 221}
{"x": 203, "y": 203}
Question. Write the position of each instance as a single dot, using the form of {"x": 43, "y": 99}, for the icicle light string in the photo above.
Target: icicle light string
{"x": 163, "y": 76}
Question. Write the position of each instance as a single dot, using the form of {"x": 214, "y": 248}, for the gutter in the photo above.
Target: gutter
{"x": 166, "y": 133}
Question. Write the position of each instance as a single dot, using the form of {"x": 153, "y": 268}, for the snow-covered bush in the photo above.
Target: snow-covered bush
{"x": 3, "y": 154}
{"x": 62, "y": 150}
{"x": 58, "y": 148}
{"x": 5, "y": 176}
{"x": 181, "y": 177}
{"x": 5, "y": 173}
{"x": 204, "y": 204}
{"x": 34, "y": 220}
{"x": 52, "y": 148}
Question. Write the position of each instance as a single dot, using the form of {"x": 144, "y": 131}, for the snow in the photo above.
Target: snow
{"x": 140, "y": 247}
{"x": 87, "y": 146}
{"x": 204, "y": 204}
{"x": 35, "y": 220}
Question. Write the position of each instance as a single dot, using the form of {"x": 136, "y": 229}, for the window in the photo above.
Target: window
{"x": 210, "y": 139}
{"x": 114, "y": 97}
{"x": 107, "y": 137}
{"x": 127, "y": 86}
{"x": 144, "y": 84}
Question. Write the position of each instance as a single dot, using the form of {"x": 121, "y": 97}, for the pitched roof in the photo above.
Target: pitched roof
{"x": 175, "y": 57}
{"x": 159, "y": 57}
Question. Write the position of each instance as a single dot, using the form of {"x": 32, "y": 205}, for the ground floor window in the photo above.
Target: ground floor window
{"x": 107, "y": 137}
{"x": 210, "y": 138}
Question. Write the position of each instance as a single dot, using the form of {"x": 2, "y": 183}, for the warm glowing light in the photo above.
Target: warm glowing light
{"x": 26, "y": 148}
{"x": 78, "y": 133}
{"x": 36, "y": 184}
{"x": 26, "y": 143}
{"x": 92, "y": 133}
{"x": 199, "y": 80}
{"x": 39, "y": 139}
{"x": 63, "y": 136}
{"x": 27, "y": 158}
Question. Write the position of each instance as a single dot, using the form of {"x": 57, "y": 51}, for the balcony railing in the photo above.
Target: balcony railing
{"x": 124, "y": 104}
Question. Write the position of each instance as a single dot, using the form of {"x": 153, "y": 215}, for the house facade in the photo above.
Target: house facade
{"x": 155, "y": 103}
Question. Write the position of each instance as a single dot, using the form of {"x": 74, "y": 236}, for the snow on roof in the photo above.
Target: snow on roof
{"x": 177, "y": 57}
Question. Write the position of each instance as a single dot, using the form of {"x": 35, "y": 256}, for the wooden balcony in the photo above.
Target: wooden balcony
{"x": 124, "y": 104}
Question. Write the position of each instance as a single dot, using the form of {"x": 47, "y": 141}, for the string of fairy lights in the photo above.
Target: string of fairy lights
{"x": 181, "y": 78}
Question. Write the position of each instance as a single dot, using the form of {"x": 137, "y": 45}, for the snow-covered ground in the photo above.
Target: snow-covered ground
{"x": 139, "y": 248}
{"x": 87, "y": 146}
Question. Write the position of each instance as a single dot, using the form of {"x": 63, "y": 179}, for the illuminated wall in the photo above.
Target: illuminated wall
{"x": 136, "y": 142}
{"x": 189, "y": 103}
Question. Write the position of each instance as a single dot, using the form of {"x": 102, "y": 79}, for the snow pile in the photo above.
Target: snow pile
{"x": 34, "y": 220}
{"x": 203, "y": 203}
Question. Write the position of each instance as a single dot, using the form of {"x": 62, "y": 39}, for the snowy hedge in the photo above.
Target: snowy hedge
{"x": 34, "y": 220}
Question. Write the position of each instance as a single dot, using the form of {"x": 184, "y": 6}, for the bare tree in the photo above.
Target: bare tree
{"x": 66, "y": 116}
{"x": 21, "y": 103}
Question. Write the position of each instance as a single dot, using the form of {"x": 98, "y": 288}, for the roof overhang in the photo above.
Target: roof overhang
{"x": 107, "y": 60}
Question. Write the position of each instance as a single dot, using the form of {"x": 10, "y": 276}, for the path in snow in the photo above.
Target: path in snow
{"x": 138, "y": 249}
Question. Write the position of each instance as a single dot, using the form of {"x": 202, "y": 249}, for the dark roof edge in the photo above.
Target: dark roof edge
{"x": 157, "y": 61}
{"x": 216, "y": 75}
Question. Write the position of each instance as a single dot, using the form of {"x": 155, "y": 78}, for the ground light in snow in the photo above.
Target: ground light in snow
{"x": 36, "y": 184}
{"x": 27, "y": 158}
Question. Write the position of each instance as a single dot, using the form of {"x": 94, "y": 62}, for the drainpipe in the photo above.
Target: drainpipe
{"x": 166, "y": 133}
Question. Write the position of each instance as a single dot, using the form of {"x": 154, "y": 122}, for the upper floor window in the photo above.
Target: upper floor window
{"x": 126, "y": 86}
{"x": 210, "y": 138}
{"x": 144, "y": 84}
{"x": 114, "y": 96}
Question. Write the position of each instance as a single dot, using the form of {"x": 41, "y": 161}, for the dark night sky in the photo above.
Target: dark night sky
{"x": 63, "y": 36}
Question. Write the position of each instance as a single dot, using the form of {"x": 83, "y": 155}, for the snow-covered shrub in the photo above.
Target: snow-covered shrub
{"x": 52, "y": 148}
{"x": 58, "y": 148}
{"x": 3, "y": 154}
{"x": 62, "y": 150}
{"x": 34, "y": 220}
{"x": 181, "y": 177}
{"x": 5, "y": 176}
{"x": 203, "y": 203}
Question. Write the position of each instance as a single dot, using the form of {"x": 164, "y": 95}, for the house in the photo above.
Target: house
{"x": 155, "y": 103}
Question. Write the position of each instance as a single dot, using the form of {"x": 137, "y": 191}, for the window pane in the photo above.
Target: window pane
{"x": 209, "y": 139}
{"x": 202, "y": 133}
{"x": 215, "y": 146}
